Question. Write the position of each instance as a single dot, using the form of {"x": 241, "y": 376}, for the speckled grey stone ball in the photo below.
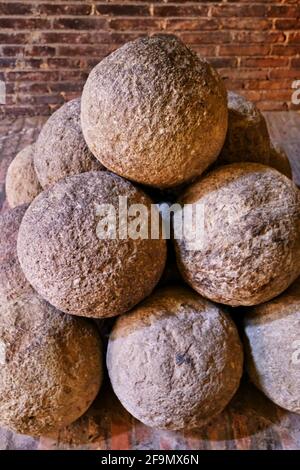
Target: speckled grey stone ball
{"x": 51, "y": 366}
{"x": 60, "y": 149}
{"x": 272, "y": 346}
{"x": 70, "y": 265}
{"x": 176, "y": 360}
{"x": 249, "y": 249}
{"x": 154, "y": 112}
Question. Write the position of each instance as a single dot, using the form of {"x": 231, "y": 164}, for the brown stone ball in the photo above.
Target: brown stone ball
{"x": 249, "y": 249}
{"x": 51, "y": 366}
{"x": 272, "y": 346}
{"x": 70, "y": 265}
{"x": 154, "y": 112}
{"x": 13, "y": 283}
{"x": 247, "y": 138}
{"x": 22, "y": 184}
{"x": 176, "y": 360}
{"x": 60, "y": 149}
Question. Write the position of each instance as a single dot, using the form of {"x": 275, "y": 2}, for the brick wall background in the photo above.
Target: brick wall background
{"x": 47, "y": 48}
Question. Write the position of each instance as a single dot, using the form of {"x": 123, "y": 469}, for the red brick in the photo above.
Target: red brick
{"x": 242, "y": 50}
{"x": 284, "y": 50}
{"x": 294, "y": 38}
{"x": 286, "y": 11}
{"x": 80, "y": 23}
{"x": 122, "y": 9}
{"x": 287, "y": 24}
{"x": 206, "y": 37}
{"x": 64, "y": 8}
{"x": 13, "y": 38}
{"x": 16, "y": 8}
{"x": 135, "y": 24}
{"x": 255, "y": 24}
{"x": 185, "y": 24}
{"x": 177, "y": 10}
{"x": 295, "y": 62}
{"x": 263, "y": 62}
{"x": 84, "y": 50}
{"x": 223, "y": 61}
{"x": 284, "y": 73}
{"x": 258, "y": 37}
{"x": 258, "y": 10}
{"x": 25, "y": 23}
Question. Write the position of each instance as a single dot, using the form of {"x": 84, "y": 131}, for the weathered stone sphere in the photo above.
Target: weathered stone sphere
{"x": 60, "y": 149}
{"x": 22, "y": 184}
{"x": 249, "y": 248}
{"x": 272, "y": 342}
{"x": 247, "y": 138}
{"x": 51, "y": 366}
{"x": 70, "y": 265}
{"x": 154, "y": 112}
{"x": 175, "y": 361}
{"x": 13, "y": 283}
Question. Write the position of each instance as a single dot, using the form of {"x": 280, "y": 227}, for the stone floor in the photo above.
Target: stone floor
{"x": 251, "y": 421}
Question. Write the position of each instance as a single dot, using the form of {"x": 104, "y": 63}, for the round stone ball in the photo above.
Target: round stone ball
{"x": 248, "y": 247}
{"x": 60, "y": 149}
{"x": 175, "y": 361}
{"x": 13, "y": 283}
{"x": 154, "y": 112}
{"x": 272, "y": 347}
{"x": 74, "y": 263}
{"x": 22, "y": 184}
{"x": 279, "y": 160}
{"x": 247, "y": 136}
{"x": 51, "y": 366}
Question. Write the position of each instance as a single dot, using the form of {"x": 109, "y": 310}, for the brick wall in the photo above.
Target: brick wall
{"x": 48, "y": 47}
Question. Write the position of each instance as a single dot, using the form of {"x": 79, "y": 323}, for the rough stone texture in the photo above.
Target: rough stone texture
{"x": 60, "y": 149}
{"x": 51, "y": 366}
{"x": 250, "y": 249}
{"x": 22, "y": 185}
{"x": 68, "y": 264}
{"x": 247, "y": 136}
{"x": 154, "y": 112}
{"x": 280, "y": 161}
{"x": 175, "y": 361}
{"x": 13, "y": 283}
{"x": 272, "y": 341}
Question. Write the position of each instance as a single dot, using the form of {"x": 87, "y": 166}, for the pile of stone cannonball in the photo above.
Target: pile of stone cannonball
{"x": 154, "y": 124}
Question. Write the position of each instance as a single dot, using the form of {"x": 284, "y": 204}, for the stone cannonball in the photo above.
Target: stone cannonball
{"x": 51, "y": 366}
{"x": 154, "y": 112}
{"x": 272, "y": 347}
{"x": 249, "y": 248}
{"x": 176, "y": 360}
{"x": 71, "y": 265}
{"x": 247, "y": 136}
{"x": 13, "y": 282}
{"x": 22, "y": 184}
{"x": 60, "y": 149}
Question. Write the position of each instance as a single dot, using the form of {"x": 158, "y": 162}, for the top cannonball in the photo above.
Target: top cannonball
{"x": 154, "y": 112}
